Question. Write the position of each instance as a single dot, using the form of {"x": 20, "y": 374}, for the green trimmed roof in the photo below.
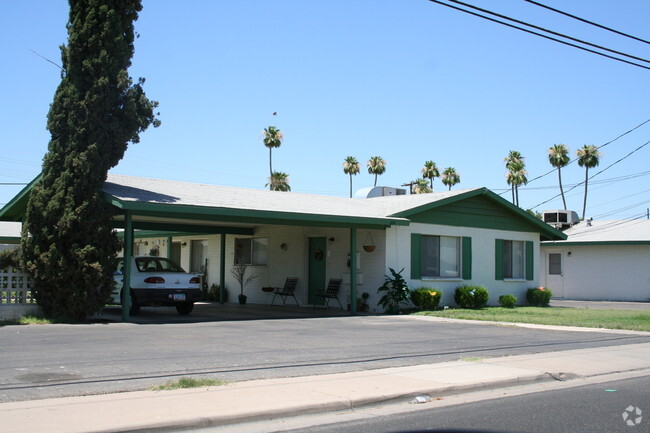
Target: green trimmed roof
{"x": 607, "y": 232}
{"x": 164, "y": 205}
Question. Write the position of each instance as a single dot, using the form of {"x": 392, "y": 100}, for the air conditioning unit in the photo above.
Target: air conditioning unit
{"x": 379, "y": 191}
{"x": 560, "y": 219}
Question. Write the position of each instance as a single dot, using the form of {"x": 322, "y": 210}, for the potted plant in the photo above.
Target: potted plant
{"x": 363, "y": 305}
{"x": 395, "y": 292}
{"x": 239, "y": 272}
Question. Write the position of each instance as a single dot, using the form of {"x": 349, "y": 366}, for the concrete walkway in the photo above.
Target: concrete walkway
{"x": 266, "y": 399}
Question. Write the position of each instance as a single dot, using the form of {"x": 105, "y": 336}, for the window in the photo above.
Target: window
{"x": 440, "y": 256}
{"x": 251, "y": 251}
{"x": 555, "y": 264}
{"x": 514, "y": 260}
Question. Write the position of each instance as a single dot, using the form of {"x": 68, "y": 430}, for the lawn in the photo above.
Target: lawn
{"x": 611, "y": 319}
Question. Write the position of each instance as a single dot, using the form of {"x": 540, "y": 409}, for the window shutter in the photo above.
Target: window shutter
{"x": 415, "y": 257}
{"x": 467, "y": 258}
{"x": 530, "y": 260}
{"x": 498, "y": 259}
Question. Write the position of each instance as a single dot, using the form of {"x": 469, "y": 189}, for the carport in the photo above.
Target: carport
{"x": 175, "y": 208}
{"x": 184, "y": 208}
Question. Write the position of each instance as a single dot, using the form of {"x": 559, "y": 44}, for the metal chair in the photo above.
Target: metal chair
{"x": 286, "y": 291}
{"x": 331, "y": 292}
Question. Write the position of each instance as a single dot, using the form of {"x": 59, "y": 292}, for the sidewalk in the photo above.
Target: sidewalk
{"x": 265, "y": 399}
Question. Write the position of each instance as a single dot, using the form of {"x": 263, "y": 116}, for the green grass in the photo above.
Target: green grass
{"x": 587, "y": 318}
{"x": 187, "y": 382}
{"x": 27, "y": 320}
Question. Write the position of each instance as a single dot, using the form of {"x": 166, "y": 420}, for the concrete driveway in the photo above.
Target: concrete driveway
{"x": 60, "y": 360}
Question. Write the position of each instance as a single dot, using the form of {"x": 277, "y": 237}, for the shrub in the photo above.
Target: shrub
{"x": 10, "y": 258}
{"x": 396, "y": 291}
{"x": 507, "y": 301}
{"x": 426, "y": 298}
{"x": 471, "y": 296}
{"x": 215, "y": 291}
{"x": 539, "y": 296}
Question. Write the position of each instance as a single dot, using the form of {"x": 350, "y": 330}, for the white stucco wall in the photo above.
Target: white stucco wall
{"x": 483, "y": 260}
{"x": 603, "y": 272}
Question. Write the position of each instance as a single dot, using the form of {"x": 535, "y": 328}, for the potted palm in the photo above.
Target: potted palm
{"x": 239, "y": 272}
{"x": 395, "y": 292}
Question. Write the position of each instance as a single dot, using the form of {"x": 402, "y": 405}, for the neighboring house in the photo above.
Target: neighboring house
{"x": 9, "y": 235}
{"x": 441, "y": 240}
{"x": 600, "y": 260}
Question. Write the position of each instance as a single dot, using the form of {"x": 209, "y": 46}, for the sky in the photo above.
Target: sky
{"x": 407, "y": 80}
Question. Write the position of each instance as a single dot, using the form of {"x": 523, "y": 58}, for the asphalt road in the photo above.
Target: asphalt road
{"x": 620, "y": 406}
{"x": 61, "y": 360}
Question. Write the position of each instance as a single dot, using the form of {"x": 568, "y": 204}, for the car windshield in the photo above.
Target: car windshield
{"x": 156, "y": 264}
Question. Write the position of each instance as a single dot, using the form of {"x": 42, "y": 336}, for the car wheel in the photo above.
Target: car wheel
{"x": 185, "y": 308}
{"x": 135, "y": 307}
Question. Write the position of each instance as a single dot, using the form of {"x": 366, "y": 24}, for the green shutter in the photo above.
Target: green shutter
{"x": 498, "y": 259}
{"x": 415, "y": 257}
{"x": 467, "y": 258}
{"x": 530, "y": 260}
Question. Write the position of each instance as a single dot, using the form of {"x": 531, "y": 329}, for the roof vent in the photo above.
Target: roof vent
{"x": 379, "y": 191}
{"x": 560, "y": 219}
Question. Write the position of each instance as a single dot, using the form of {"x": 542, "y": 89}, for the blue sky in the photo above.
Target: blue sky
{"x": 408, "y": 80}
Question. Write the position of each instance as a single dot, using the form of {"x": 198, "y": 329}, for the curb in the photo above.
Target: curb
{"x": 340, "y": 404}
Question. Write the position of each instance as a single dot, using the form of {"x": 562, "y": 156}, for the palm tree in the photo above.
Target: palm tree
{"x": 450, "y": 177}
{"x": 558, "y": 156}
{"x": 513, "y": 159}
{"x": 351, "y": 166}
{"x": 272, "y": 138}
{"x": 588, "y": 157}
{"x": 376, "y": 166}
{"x": 517, "y": 175}
{"x": 430, "y": 171}
{"x": 421, "y": 186}
{"x": 279, "y": 181}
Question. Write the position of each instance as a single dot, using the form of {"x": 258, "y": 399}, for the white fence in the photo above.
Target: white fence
{"x": 16, "y": 297}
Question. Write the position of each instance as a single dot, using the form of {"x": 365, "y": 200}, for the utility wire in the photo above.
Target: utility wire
{"x": 541, "y": 35}
{"x": 548, "y": 31}
{"x": 594, "y": 175}
{"x": 588, "y": 22}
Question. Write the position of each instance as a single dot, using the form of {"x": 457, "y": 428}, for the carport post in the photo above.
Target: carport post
{"x": 222, "y": 267}
{"x": 353, "y": 271}
{"x": 128, "y": 252}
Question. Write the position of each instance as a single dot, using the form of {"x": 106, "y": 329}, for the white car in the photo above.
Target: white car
{"x": 157, "y": 281}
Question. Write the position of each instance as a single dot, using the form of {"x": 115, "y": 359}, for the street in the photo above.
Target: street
{"x": 618, "y": 406}
{"x": 65, "y": 360}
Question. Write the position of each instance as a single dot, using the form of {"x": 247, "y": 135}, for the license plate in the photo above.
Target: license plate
{"x": 179, "y": 296}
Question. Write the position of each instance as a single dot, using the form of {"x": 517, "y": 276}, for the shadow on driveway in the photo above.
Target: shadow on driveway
{"x": 215, "y": 312}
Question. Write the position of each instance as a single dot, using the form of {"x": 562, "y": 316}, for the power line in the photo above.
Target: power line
{"x": 562, "y": 35}
{"x": 540, "y": 35}
{"x": 594, "y": 175}
{"x": 587, "y": 21}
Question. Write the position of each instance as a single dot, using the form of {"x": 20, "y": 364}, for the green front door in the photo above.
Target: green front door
{"x": 317, "y": 269}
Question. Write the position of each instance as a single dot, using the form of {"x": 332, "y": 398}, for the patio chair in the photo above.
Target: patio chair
{"x": 331, "y": 292}
{"x": 286, "y": 291}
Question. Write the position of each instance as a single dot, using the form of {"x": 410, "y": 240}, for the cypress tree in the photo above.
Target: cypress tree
{"x": 68, "y": 245}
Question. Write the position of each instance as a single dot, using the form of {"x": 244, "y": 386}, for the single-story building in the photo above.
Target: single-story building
{"x": 600, "y": 260}
{"x": 441, "y": 240}
{"x": 9, "y": 235}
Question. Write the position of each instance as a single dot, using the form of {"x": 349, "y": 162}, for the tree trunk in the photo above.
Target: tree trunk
{"x": 584, "y": 204}
{"x": 559, "y": 176}
{"x": 350, "y": 185}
